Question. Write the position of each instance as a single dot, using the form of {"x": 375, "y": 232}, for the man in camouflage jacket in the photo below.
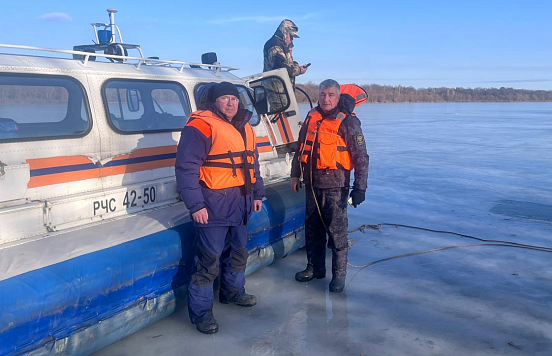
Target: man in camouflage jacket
{"x": 278, "y": 51}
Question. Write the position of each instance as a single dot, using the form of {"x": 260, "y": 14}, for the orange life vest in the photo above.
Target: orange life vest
{"x": 355, "y": 92}
{"x": 332, "y": 151}
{"x": 229, "y": 156}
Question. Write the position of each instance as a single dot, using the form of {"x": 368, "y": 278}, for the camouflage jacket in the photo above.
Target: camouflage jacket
{"x": 279, "y": 55}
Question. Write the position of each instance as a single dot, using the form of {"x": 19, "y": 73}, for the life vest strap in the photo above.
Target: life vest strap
{"x": 231, "y": 154}
{"x": 223, "y": 165}
{"x": 234, "y": 173}
{"x": 323, "y": 132}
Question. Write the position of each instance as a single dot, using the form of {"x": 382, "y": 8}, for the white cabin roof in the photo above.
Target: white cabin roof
{"x": 59, "y": 62}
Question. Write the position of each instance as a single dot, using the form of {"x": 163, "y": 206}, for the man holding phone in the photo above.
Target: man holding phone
{"x": 278, "y": 51}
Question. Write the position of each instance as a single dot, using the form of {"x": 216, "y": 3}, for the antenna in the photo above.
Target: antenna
{"x": 112, "y": 13}
{"x": 106, "y": 41}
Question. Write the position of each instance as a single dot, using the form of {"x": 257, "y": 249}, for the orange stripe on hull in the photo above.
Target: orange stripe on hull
{"x": 137, "y": 167}
{"x": 69, "y": 177}
{"x": 143, "y": 152}
{"x": 66, "y": 177}
{"x": 40, "y": 163}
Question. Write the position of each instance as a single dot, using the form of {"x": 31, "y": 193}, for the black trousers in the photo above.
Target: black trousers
{"x": 329, "y": 225}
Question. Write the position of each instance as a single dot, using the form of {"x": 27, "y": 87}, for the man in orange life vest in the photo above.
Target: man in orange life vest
{"x": 218, "y": 178}
{"x": 332, "y": 144}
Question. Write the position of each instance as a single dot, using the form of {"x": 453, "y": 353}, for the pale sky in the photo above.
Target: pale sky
{"x": 410, "y": 43}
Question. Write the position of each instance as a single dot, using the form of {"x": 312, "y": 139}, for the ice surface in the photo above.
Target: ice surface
{"x": 482, "y": 169}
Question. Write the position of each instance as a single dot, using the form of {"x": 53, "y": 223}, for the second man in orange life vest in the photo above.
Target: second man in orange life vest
{"x": 218, "y": 178}
{"x": 331, "y": 145}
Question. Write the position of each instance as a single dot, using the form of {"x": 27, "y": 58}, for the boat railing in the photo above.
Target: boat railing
{"x": 85, "y": 57}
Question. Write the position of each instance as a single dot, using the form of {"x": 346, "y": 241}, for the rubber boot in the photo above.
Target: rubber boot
{"x": 244, "y": 300}
{"x": 337, "y": 284}
{"x": 339, "y": 270}
{"x": 208, "y": 326}
{"x": 309, "y": 274}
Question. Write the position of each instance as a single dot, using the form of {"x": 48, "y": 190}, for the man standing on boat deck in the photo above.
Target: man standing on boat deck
{"x": 217, "y": 172}
{"x": 332, "y": 144}
{"x": 278, "y": 51}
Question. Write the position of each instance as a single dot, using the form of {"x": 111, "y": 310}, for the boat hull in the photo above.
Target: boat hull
{"x": 84, "y": 303}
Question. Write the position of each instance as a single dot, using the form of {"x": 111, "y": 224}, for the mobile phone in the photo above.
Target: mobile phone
{"x": 306, "y": 65}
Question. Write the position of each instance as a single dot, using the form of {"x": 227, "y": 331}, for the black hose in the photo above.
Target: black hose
{"x": 447, "y": 248}
{"x": 487, "y": 242}
{"x": 378, "y": 227}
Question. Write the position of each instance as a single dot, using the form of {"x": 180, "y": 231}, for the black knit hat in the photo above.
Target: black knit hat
{"x": 223, "y": 88}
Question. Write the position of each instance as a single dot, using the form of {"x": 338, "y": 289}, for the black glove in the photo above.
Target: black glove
{"x": 357, "y": 196}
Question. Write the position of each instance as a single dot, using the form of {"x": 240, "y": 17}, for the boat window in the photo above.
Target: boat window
{"x": 277, "y": 95}
{"x": 140, "y": 106}
{"x": 246, "y": 100}
{"x": 39, "y": 107}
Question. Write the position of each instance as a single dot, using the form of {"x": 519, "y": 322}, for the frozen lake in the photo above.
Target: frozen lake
{"x": 481, "y": 169}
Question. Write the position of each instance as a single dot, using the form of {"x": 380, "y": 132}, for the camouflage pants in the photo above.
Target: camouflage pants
{"x": 333, "y": 210}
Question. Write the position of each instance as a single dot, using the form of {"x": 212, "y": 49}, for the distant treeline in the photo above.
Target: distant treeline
{"x": 35, "y": 94}
{"x": 376, "y": 94}
{"x": 399, "y": 94}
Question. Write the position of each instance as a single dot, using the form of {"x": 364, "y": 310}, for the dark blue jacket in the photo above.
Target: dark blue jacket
{"x": 226, "y": 207}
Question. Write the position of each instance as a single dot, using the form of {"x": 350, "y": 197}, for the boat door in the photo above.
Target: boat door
{"x": 282, "y": 119}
